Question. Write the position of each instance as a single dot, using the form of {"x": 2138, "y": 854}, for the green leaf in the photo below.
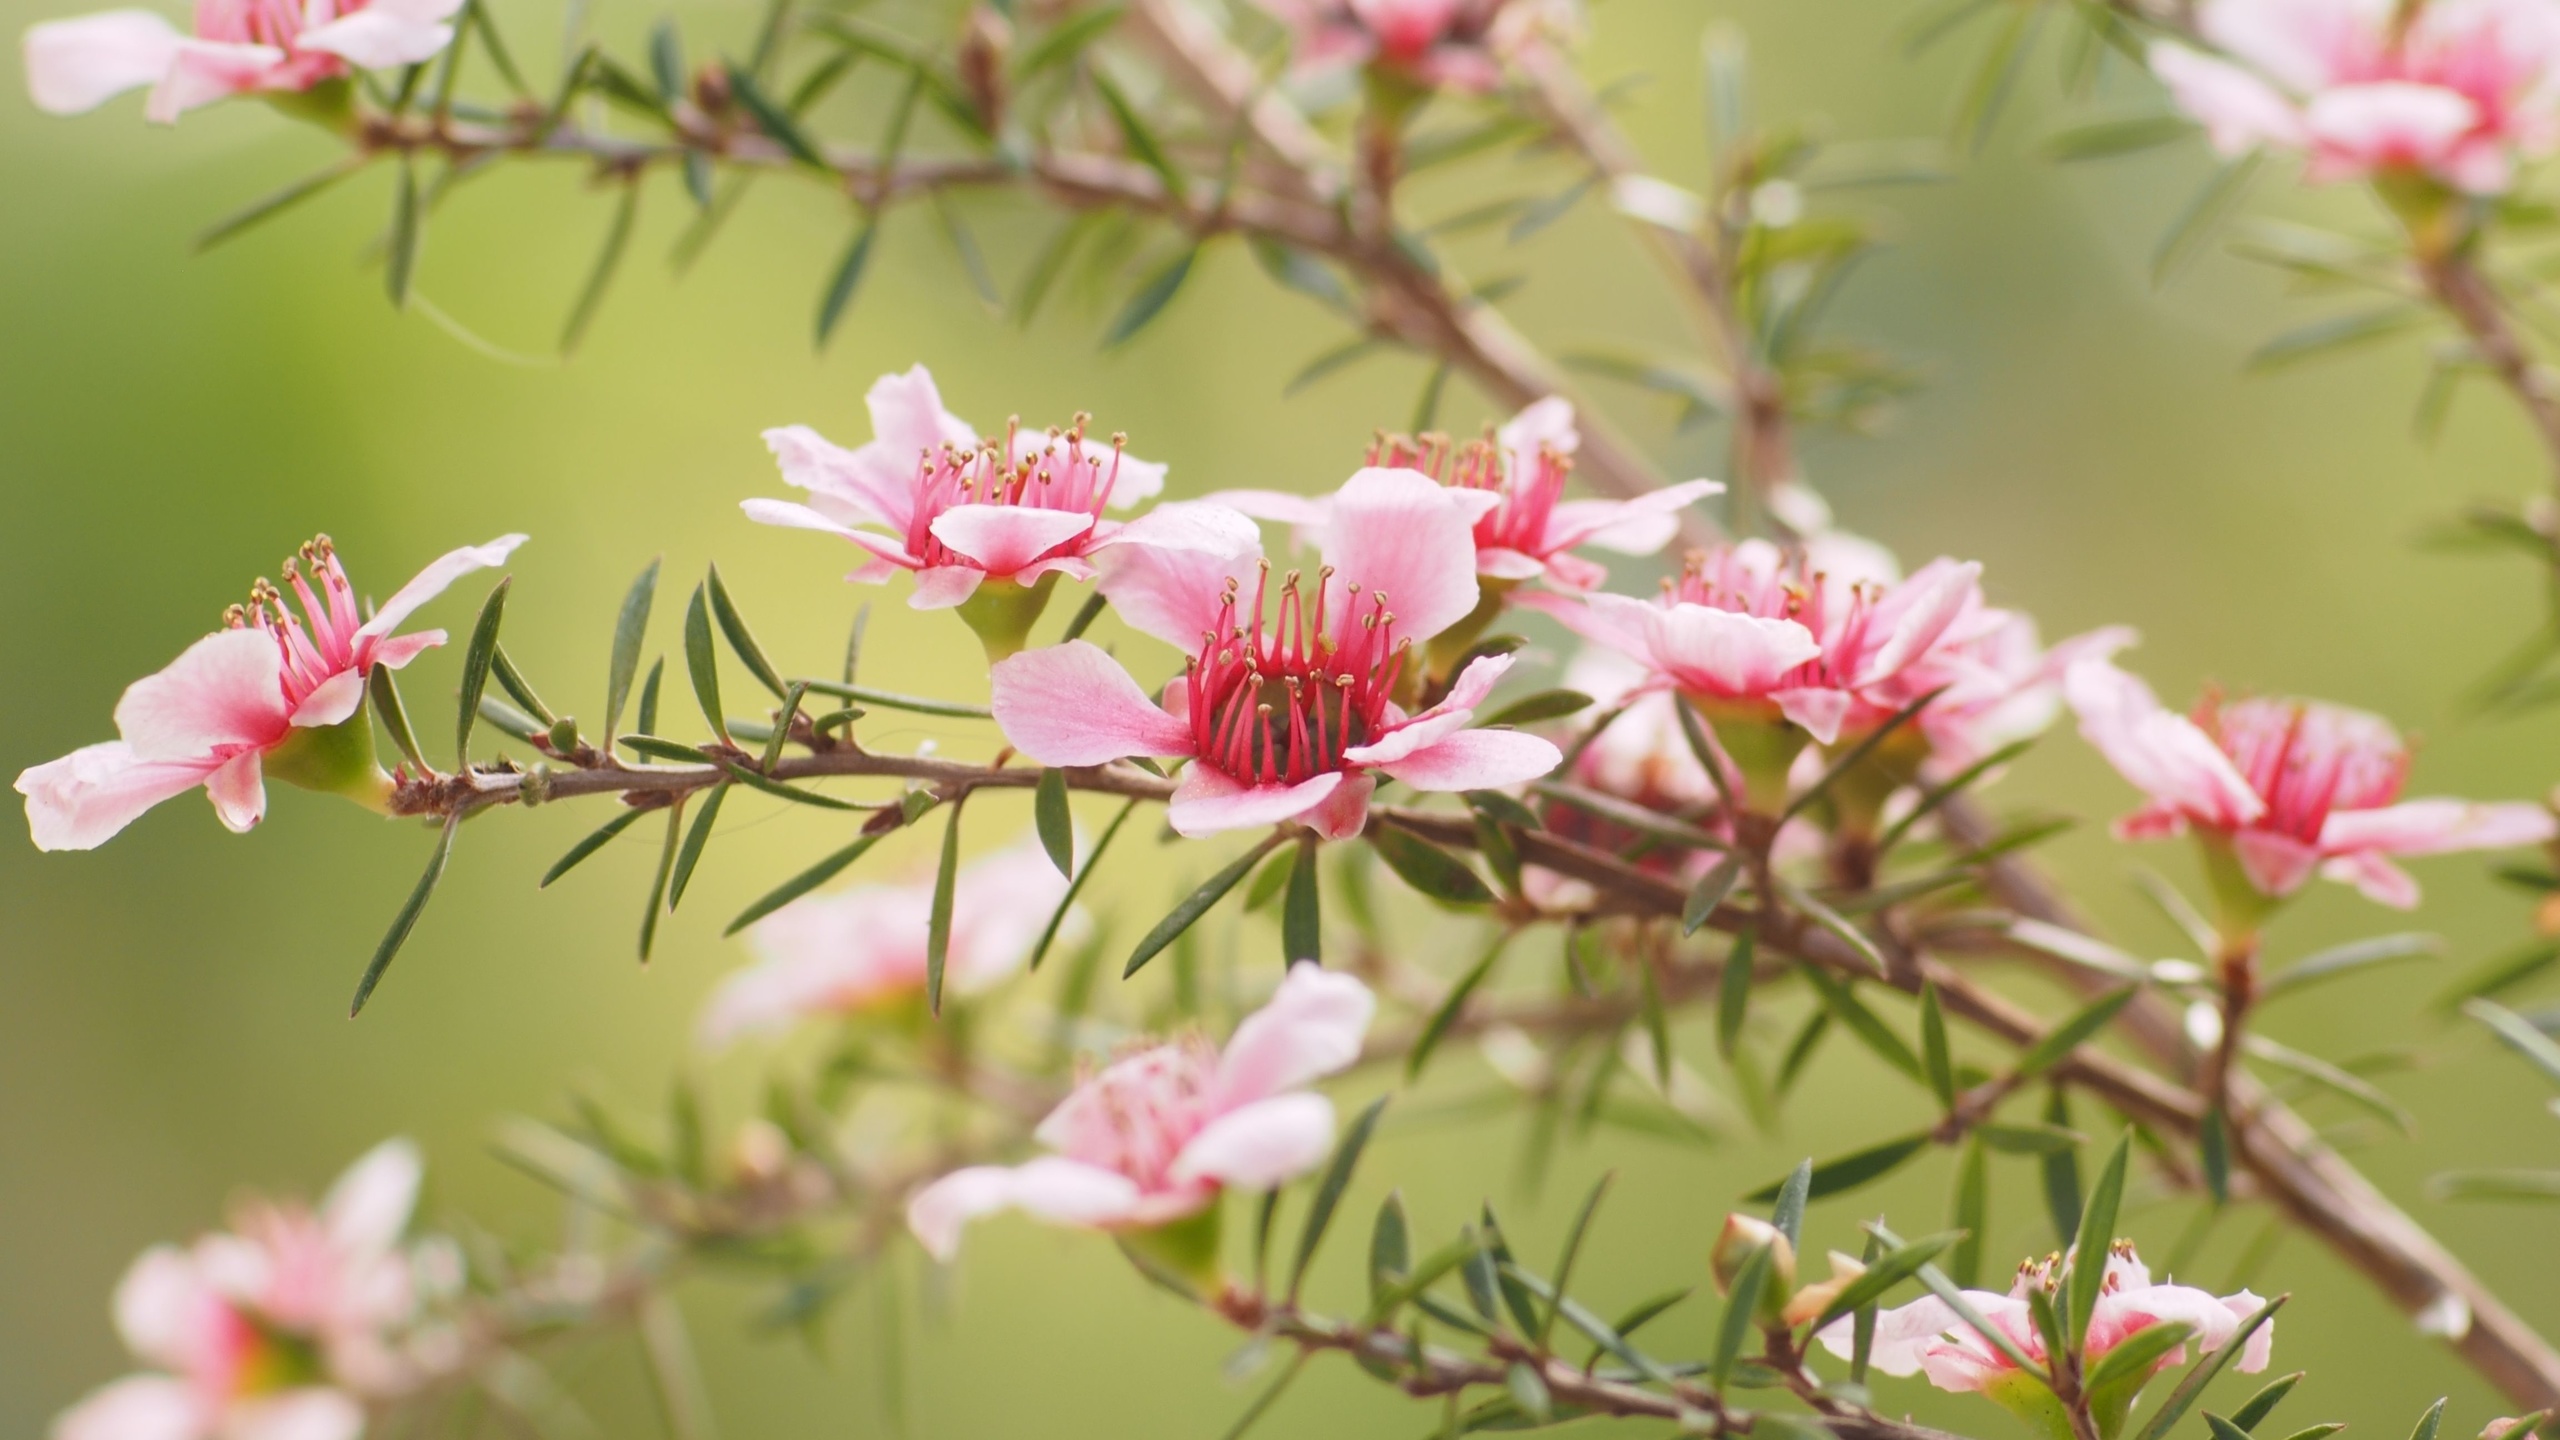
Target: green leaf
{"x": 702, "y": 663}
{"x": 2061, "y": 1172}
{"x": 2528, "y": 1185}
{"x": 1437, "y": 1027}
{"x": 2057, "y": 1044}
{"x": 502, "y": 668}
{"x": 1733, "y": 989}
{"x": 407, "y": 919}
{"x": 1064, "y": 40}
{"x": 1075, "y": 887}
{"x": 2342, "y": 960}
{"x": 2174, "y": 1409}
{"x": 1936, "y": 1059}
{"x": 602, "y": 837}
{"x": 892, "y": 700}
{"x": 2070, "y": 946}
{"x": 510, "y": 719}
{"x": 1986, "y": 92}
{"x": 2503, "y": 972}
{"x": 617, "y": 239}
{"x": 772, "y": 119}
{"x": 1866, "y": 746}
{"x": 2108, "y": 139}
{"x": 2337, "y": 332}
{"x": 1710, "y": 891}
{"x": 1150, "y": 298}
{"x": 2250, "y": 1416}
{"x": 1651, "y": 824}
{"x": 394, "y": 716}
{"x": 1939, "y": 1285}
{"x": 1301, "y": 912}
{"x": 1430, "y": 870}
{"x": 1528, "y": 1391}
{"x": 937, "y": 935}
{"x": 1572, "y": 1253}
{"x": 1542, "y": 706}
{"x": 1897, "y": 1264}
{"x": 1740, "y": 1308}
{"x": 777, "y": 789}
{"x": 648, "y": 716}
{"x": 630, "y": 630}
{"x": 2340, "y": 1082}
{"x": 690, "y": 853}
{"x": 2133, "y": 1357}
{"x": 1197, "y": 903}
{"x": 1141, "y": 140}
{"x": 1057, "y": 826}
{"x": 1337, "y": 1177}
{"x": 2175, "y": 908}
{"x": 2096, "y": 1237}
{"x": 1831, "y": 920}
{"x": 1973, "y": 1203}
{"x": 1295, "y": 269}
{"x": 2030, "y": 1139}
{"x": 2204, "y": 214}
{"x": 2213, "y": 1154}
{"x": 267, "y": 208}
{"x": 798, "y": 885}
{"x": 1090, "y": 611}
{"x": 1786, "y": 1214}
{"x": 407, "y": 224}
{"x": 742, "y": 641}
{"x": 658, "y": 886}
{"x": 1390, "y": 1247}
{"x": 476, "y": 658}
{"x": 846, "y": 279}
{"x": 1838, "y": 1177}
{"x": 2431, "y": 1422}
{"x": 2519, "y": 1035}
{"x": 1840, "y": 998}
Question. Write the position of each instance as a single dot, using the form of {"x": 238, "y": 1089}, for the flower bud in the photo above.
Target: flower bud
{"x": 1809, "y": 1302}
{"x": 1741, "y": 1235}
{"x": 564, "y": 735}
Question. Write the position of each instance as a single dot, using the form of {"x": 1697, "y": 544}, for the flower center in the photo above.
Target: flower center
{"x": 321, "y": 641}
{"x": 2306, "y": 760}
{"x": 1138, "y": 1113}
{"x": 1059, "y": 476}
{"x": 1276, "y": 701}
{"x": 1528, "y": 498}
{"x": 253, "y": 1357}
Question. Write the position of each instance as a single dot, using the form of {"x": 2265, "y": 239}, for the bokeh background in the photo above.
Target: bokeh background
{"x": 172, "y": 1021}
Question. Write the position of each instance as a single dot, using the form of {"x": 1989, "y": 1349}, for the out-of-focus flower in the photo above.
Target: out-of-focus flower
{"x": 273, "y": 694}
{"x": 1926, "y": 1337}
{"x": 1639, "y": 757}
{"x": 2456, "y": 90}
{"x": 2284, "y": 787}
{"x": 864, "y": 948}
{"x": 1513, "y": 481}
{"x": 1285, "y": 711}
{"x": 1742, "y": 1235}
{"x": 1433, "y": 44}
{"x": 1150, "y": 1139}
{"x": 281, "y": 1328}
{"x": 984, "y": 525}
{"x": 1808, "y": 1303}
{"x": 239, "y": 47}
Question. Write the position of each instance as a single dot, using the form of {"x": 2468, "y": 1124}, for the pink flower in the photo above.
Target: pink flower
{"x": 1513, "y": 484}
{"x": 1643, "y": 758}
{"x": 927, "y": 495}
{"x": 1437, "y": 44}
{"x": 2289, "y": 785}
{"x": 865, "y": 947}
{"x": 239, "y": 47}
{"x": 1284, "y": 716}
{"x": 270, "y": 694}
{"x": 2455, "y": 89}
{"x": 278, "y": 1330}
{"x": 1750, "y": 632}
{"x": 1926, "y": 1337}
{"x": 1152, "y": 1137}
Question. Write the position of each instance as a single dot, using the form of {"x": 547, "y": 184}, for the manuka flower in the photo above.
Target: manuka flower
{"x": 239, "y": 47}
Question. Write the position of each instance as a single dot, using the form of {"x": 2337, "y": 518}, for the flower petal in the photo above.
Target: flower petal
{"x": 311, "y": 1413}
{"x": 907, "y": 418}
{"x": 1209, "y": 801}
{"x": 1444, "y": 719}
{"x": 1719, "y": 652}
{"x": 1478, "y": 760}
{"x": 2240, "y": 111}
{"x": 874, "y": 483}
{"x": 203, "y": 71}
{"x": 2434, "y": 827}
{"x": 337, "y": 697}
{"x": 431, "y": 582}
{"x": 164, "y": 1311}
{"x": 227, "y": 689}
{"x": 1817, "y": 710}
{"x": 1260, "y": 1146}
{"x": 2375, "y": 877}
{"x": 138, "y": 1407}
{"x": 238, "y": 789}
{"x": 1641, "y": 526}
{"x": 1281, "y": 506}
{"x": 1005, "y": 538}
{"x": 384, "y": 33}
{"x": 1072, "y": 704}
{"x": 77, "y": 65}
{"x": 1062, "y": 1191}
{"x": 1401, "y": 534}
{"x": 80, "y": 801}
{"x": 1167, "y": 571}
{"x": 368, "y": 1207}
{"x": 2164, "y": 755}
{"x": 1310, "y": 1028}
{"x": 940, "y": 587}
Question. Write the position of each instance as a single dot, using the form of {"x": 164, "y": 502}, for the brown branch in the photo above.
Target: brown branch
{"x": 2475, "y": 304}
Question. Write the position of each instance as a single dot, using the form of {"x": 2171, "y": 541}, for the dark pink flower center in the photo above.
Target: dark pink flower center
{"x": 1060, "y": 476}
{"x": 1528, "y": 501}
{"x": 2306, "y": 760}
{"x": 1277, "y": 701}
{"x": 319, "y": 643}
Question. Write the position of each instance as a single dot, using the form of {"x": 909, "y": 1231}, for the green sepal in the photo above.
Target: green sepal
{"x": 334, "y": 760}
{"x": 1003, "y": 613}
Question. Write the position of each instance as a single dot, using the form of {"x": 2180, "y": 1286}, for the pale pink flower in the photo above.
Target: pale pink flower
{"x": 280, "y": 1329}
{"x": 1513, "y": 485}
{"x": 264, "y": 695}
{"x": 864, "y": 948}
{"x": 1745, "y": 629}
{"x": 2455, "y": 89}
{"x": 1154, "y": 1136}
{"x": 928, "y": 496}
{"x": 239, "y": 47}
{"x": 1437, "y": 44}
{"x": 1641, "y": 757}
{"x": 1285, "y": 716}
{"x": 2292, "y": 786}
{"x": 1926, "y": 1337}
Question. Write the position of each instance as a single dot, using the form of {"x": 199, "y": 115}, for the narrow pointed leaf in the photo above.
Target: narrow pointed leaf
{"x": 1057, "y": 826}
{"x": 648, "y": 716}
{"x": 1542, "y": 706}
{"x": 1834, "y": 1177}
{"x": 1197, "y": 904}
{"x": 1973, "y": 1204}
{"x": 1710, "y": 891}
{"x": 259, "y": 211}
{"x": 1328, "y": 1193}
{"x": 1429, "y": 869}
{"x": 658, "y": 886}
{"x": 1955, "y": 785}
{"x": 401, "y": 256}
{"x": 2339, "y": 961}
{"x": 1437, "y": 1027}
{"x": 617, "y": 239}
{"x": 1140, "y": 138}
{"x": 1733, "y": 989}
{"x": 696, "y": 837}
{"x": 846, "y": 280}
{"x": 601, "y": 837}
{"x": 1075, "y": 887}
{"x": 2097, "y": 1233}
{"x": 407, "y": 919}
{"x": 1897, "y": 1264}
{"x": 773, "y": 120}
{"x": 1859, "y": 752}
{"x": 1740, "y": 1308}
{"x": 702, "y": 663}
{"x": 892, "y": 700}
{"x": 1935, "y": 1057}
{"x": 2203, "y": 216}
{"x": 502, "y": 668}
{"x": 1786, "y": 1213}
{"x": 475, "y": 669}
{"x": 1151, "y": 299}
{"x": 801, "y": 884}
{"x": 2263, "y": 1404}
{"x": 385, "y": 691}
{"x": 1301, "y": 908}
{"x": 937, "y": 935}
{"x": 2174, "y": 1409}
{"x": 2058, "y": 1043}
{"x": 1830, "y": 919}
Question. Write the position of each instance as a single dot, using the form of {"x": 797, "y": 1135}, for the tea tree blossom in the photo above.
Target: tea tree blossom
{"x": 2280, "y": 788}
{"x": 238, "y": 47}
{"x": 1513, "y": 483}
{"x": 281, "y": 1328}
{"x": 275, "y": 693}
{"x": 984, "y": 526}
{"x": 1433, "y": 44}
{"x": 863, "y": 949}
{"x": 1287, "y": 711}
{"x": 2455, "y": 91}
{"x": 1149, "y": 1140}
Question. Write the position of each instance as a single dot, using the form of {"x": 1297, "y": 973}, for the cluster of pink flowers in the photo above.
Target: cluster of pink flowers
{"x": 2282, "y": 788}
{"x": 1434, "y": 44}
{"x": 2456, "y": 91}
{"x": 272, "y": 693}
{"x": 285, "y": 1327}
{"x": 239, "y": 47}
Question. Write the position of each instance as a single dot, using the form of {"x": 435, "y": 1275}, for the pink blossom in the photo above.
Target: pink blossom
{"x": 239, "y": 47}
{"x": 1926, "y": 1337}
{"x": 269, "y": 694}
{"x": 928, "y": 496}
{"x": 280, "y": 1329}
{"x": 1437, "y": 44}
{"x": 1750, "y": 632}
{"x": 1285, "y": 711}
{"x": 2458, "y": 90}
{"x": 865, "y": 948}
{"x": 1152, "y": 1137}
{"x": 2289, "y": 785}
{"x": 1513, "y": 484}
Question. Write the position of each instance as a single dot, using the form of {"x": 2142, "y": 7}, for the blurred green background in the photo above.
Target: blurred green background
{"x": 172, "y": 1021}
